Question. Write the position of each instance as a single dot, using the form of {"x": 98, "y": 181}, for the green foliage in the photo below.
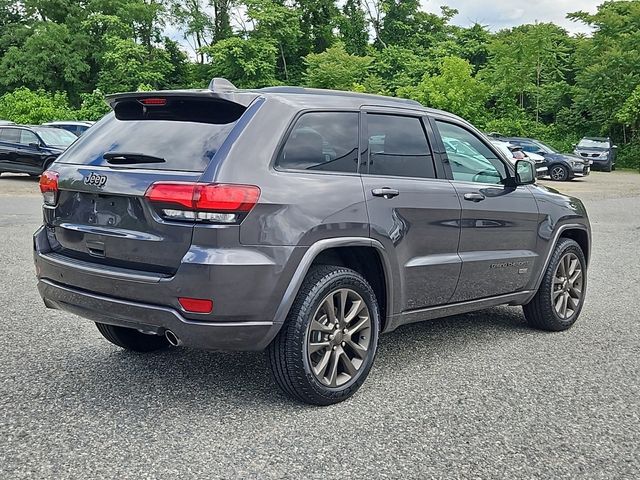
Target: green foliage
{"x": 50, "y": 58}
{"x": 248, "y": 63}
{"x": 93, "y": 106}
{"x": 629, "y": 155}
{"x": 335, "y": 69}
{"x": 453, "y": 89}
{"x": 629, "y": 113}
{"x": 128, "y": 64}
{"x": 35, "y": 107}
{"x": 531, "y": 80}
{"x": 352, "y": 24}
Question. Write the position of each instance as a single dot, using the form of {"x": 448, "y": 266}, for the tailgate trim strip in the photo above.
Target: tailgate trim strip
{"x": 102, "y": 270}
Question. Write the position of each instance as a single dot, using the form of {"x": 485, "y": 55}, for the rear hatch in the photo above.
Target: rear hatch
{"x": 101, "y": 214}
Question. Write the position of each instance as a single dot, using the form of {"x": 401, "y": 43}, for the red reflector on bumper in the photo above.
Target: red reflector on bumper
{"x": 196, "y": 305}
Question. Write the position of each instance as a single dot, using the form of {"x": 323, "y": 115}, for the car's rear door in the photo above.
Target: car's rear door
{"x": 9, "y": 140}
{"x": 413, "y": 209}
{"x": 499, "y": 223}
{"x": 102, "y": 214}
{"x": 28, "y": 152}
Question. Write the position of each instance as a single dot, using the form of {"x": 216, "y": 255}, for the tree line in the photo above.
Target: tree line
{"x": 59, "y": 57}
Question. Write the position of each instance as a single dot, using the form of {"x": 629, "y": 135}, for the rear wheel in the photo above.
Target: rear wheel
{"x": 131, "y": 339}
{"x": 559, "y": 173}
{"x": 558, "y": 302}
{"x": 327, "y": 345}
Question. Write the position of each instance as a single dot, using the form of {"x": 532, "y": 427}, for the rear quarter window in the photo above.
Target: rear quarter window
{"x": 322, "y": 141}
{"x": 185, "y": 134}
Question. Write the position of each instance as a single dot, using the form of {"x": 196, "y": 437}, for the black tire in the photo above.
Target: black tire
{"x": 46, "y": 164}
{"x": 559, "y": 173}
{"x": 541, "y": 312}
{"x": 131, "y": 339}
{"x": 288, "y": 355}
{"x": 608, "y": 167}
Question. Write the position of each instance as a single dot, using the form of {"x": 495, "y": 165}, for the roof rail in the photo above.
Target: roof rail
{"x": 342, "y": 93}
{"x": 221, "y": 85}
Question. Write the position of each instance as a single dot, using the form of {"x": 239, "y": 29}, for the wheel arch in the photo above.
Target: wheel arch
{"x": 581, "y": 237}
{"x": 575, "y": 231}
{"x": 364, "y": 255}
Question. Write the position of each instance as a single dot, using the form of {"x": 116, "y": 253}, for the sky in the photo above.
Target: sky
{"x": 498, "y": 14}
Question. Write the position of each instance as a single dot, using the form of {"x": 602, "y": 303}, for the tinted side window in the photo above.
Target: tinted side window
{"x": 11, "y": 135}
{"x": 398, "y": 146}
{"x": 325, "y": 141}
{"x": 27, "y": 137}
{"x": 470, "y": 159}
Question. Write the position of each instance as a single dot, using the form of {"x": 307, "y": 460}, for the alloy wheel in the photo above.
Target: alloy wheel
{"x": 568, "y": 283}
{"x": 339, "y": 338}
{"x": 558, "y": 173}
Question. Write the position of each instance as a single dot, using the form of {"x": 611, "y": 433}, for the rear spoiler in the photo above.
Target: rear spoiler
{"x": 239, "y": 97}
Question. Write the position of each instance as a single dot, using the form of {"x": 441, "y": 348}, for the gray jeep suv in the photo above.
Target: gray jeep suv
{"x": 303, "y": 222}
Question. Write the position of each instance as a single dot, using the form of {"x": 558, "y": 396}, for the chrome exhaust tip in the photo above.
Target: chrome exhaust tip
{"x": 172, "y": 338}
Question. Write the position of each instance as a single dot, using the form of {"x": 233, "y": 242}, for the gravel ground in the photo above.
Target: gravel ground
{"x": 472, "y": 396}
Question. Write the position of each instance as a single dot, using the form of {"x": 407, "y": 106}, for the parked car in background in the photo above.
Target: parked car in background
{"x": 77, "y": 128}
{"x": 251, "y": 219}
{"x": 562, "y": 166}
{"x": 514, "y": 153}
{"x": 600, "y": 150}
{"x": 26, "y": 149}
{"x": 6, "y": 122}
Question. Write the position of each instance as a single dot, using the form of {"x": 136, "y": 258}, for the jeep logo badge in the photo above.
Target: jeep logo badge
{"x": 95, "y": 179}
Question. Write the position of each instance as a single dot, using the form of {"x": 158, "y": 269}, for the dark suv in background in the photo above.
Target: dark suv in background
{"x": 31, "y": 150}
{"x": 303, "y": 222}
{"x": 561, "y": 166}
{"x": 601, "y": 151}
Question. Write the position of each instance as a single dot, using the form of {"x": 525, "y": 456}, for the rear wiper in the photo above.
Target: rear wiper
{"x": 126, "y": 158}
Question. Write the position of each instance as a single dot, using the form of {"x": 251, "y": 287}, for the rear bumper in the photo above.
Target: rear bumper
{"x": 156, "y": 319}
{"x": 246, "y": 287}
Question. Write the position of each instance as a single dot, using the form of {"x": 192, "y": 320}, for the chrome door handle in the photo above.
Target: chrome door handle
{"x": 474, "y": 197}
{"x": 385, "y": 192}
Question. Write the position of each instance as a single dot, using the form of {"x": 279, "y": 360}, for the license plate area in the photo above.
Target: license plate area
{"x": 110, "y": 211}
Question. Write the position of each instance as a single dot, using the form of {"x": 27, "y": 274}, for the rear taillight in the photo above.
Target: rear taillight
{"x": 49, "y": 187}
{"x": 202, "y": 202}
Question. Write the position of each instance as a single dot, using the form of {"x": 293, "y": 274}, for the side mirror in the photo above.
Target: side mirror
{"x": 615, "y": 147}
{"x": 35, "y": 145}
{"x": 574, "y": 145}
{"x": 525, "y": 172}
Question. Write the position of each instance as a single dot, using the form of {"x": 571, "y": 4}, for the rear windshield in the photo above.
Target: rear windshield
{"x": 183, "y": 135}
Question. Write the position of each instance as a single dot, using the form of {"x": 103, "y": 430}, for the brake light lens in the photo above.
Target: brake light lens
{"x": 213, "y": 203}
{"x": 196, "y": 305}
{"x": 154, "y": 101}
{"x": 49, "y": 187}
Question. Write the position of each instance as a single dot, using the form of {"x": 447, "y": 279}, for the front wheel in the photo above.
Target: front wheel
{"x": 131, "y": 339}
{"x": 327, "y": 345}
{"x": 559, "y": 173}
{"x": 558, "y": 302}
{"x": 608, "y": 167}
